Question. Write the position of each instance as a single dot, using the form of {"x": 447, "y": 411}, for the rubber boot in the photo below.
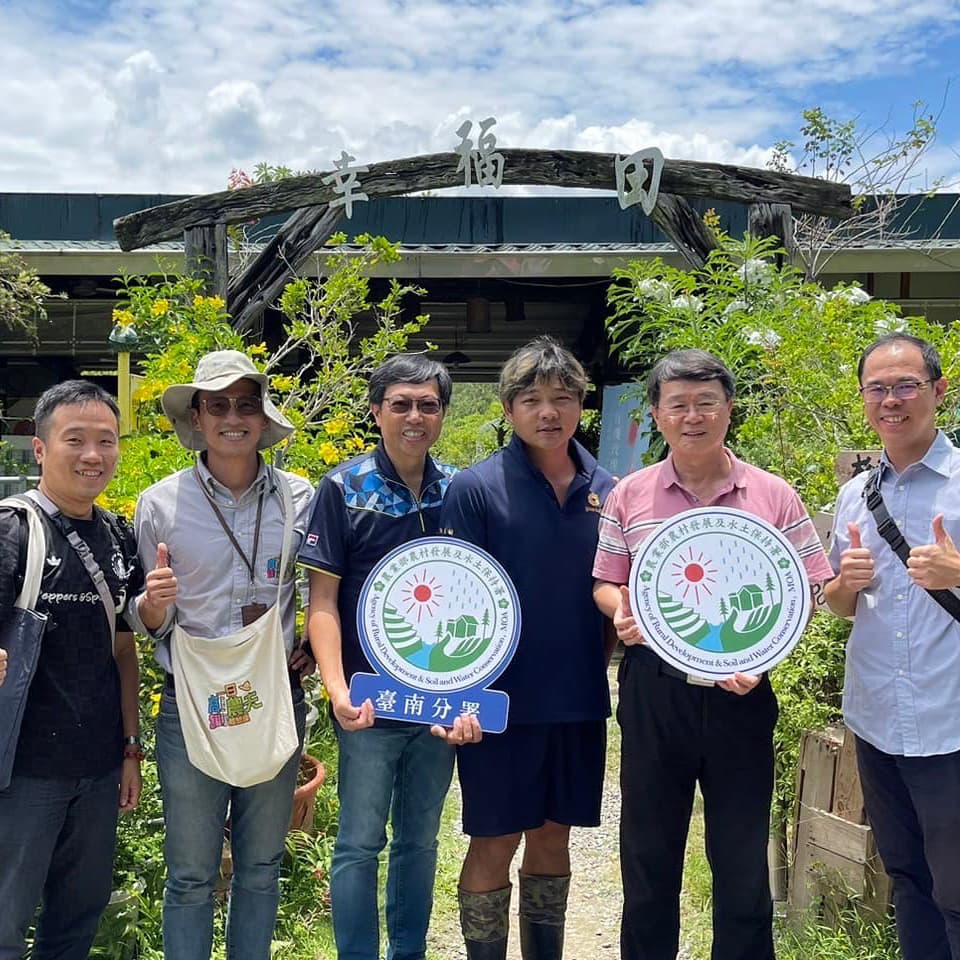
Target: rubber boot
{"x": 543, "y": 910}
{"x": 485, "y": 922}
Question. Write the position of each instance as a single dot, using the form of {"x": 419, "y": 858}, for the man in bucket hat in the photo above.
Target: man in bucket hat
{"x": 212, "y": 536}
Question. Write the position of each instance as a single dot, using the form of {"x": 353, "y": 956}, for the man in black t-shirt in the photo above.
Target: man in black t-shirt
{"x": 76, "y": 760}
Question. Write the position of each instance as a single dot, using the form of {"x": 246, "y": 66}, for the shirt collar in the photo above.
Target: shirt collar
{"x": 937, "y": 458}
{"x": 584, "y": 461}
{"x": 736, "y": 479}
{"x": 215, "y": 486}
{"x": 431, "y": 472}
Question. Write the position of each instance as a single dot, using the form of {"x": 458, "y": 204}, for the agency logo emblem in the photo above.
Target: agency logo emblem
{"x": 439, "y": 619}
{"x": 716, "y": 591}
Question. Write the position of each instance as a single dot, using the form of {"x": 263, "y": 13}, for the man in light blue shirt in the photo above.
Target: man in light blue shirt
{"x": 902, "y": 686}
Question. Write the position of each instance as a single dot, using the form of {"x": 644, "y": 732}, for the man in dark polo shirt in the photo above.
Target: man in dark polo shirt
{"x": 535, "y": 507}
{"x": 77, "y": 759}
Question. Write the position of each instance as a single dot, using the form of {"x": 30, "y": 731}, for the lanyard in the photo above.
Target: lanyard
{"x": 251, "y": 563}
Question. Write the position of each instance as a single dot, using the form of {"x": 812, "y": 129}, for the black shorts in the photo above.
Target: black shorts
{"x": 531, "y": 773}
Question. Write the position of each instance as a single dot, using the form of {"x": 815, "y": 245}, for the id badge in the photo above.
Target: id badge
{"x": 252, "y": 611}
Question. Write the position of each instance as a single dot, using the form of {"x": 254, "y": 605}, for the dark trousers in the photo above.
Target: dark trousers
{"x": 57, "y": 839}
{"x": 913, "y": 805}
{"x": 676, "y": 734}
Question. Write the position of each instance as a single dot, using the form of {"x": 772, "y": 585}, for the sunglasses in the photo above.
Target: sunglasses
{"x": 245, "y": 406}
{"x": 401, "y": 405}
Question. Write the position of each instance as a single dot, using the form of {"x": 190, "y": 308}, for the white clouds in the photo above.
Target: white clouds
{"x": 170, "y": 94}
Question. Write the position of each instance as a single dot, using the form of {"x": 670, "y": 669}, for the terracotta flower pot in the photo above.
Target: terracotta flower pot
{"x": 309, "y": 781}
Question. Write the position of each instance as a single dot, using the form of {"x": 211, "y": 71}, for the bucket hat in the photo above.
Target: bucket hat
{"x": 217, "y": 371}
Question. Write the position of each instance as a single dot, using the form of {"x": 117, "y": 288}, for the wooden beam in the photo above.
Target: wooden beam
{"x": 564, "y": 168}
{"x": 264, "y": 278}
{"x": 205, "y": 256}
{"x": 684, "y": 226}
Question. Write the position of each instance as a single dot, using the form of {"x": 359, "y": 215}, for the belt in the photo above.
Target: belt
{"x": 667, "y": 670}
{"x": 170, "y": 686}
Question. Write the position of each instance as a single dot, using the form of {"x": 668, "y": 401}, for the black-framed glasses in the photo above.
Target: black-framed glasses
{"x": 245, "y": 406}
{"x": 904, "y": 390}
{"x": 400, "y": 405}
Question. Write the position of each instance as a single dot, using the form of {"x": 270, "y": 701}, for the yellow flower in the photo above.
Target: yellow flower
{"x": 124, "y": 317}
{"x": 160, "y": 308}
{"x": 300, "y": 472}
{"x": 164, "y": 424}
{"x": 355, "y": 444}
{"x": 329, "y": 453}
{"x": 336, "y": 428}
{"x": 282, "y": 384}
{"x": 218, "y": 303}
{"x": 258, "y": 350}
{"x": 154, "y": 704}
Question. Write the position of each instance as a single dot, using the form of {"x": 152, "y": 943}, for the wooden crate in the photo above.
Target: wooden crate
{"x": 834, "y": 862}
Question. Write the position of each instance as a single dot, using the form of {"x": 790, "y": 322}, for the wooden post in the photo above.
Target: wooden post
{"x": 773, "y": 220}
{"x": 124, "y": 392}
{"x": 205, "y": 256}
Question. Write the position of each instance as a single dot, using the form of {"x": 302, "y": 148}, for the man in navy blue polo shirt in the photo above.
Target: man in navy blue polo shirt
{"x": 388, "y": 769}
{"x": 535, "y": 507}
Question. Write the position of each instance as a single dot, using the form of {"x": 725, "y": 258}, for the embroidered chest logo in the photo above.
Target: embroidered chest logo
{"x": 233, "y": 705}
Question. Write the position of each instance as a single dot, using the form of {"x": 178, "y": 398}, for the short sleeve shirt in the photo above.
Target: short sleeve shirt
{"x": 360, "y": 512}
{"x": 901, "y": 690}
{"x": 506, "y": 506}
{"x": 72, "y": 724}
{"x": 643, "y": 500}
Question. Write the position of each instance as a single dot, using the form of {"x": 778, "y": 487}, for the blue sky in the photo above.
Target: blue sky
{"x": 169, "y": 95}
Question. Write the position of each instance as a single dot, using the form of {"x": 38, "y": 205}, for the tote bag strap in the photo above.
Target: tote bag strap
{"x": 36, "y": 551}
{"x": 286, "y": 499}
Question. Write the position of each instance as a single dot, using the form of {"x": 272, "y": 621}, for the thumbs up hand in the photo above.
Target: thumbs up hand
{"x": 627, "y": 630}
{"x": 936, "y": 566}
{"x": 161, "y": 584}
{"x": 856, "y": 562}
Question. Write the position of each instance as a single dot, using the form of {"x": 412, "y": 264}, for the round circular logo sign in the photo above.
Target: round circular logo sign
{"x": 716, "y": 591}
{"x": 439, "y": 614}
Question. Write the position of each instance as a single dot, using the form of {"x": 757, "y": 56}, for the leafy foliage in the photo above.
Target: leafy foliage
{"x": 22, "y": 292}
{"x": 318, "y": 374}
{"x": 793, "y": 346}
{"x": 881, "y": 166}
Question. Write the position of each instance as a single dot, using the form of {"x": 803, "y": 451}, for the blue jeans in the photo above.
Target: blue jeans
{"x": 194, "y": 813}
{"x": 402, "y": 772}
{"x": 57, "y": 839}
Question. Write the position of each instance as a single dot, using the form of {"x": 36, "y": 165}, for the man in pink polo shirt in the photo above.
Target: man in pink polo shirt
{"x": 678, "y": 731}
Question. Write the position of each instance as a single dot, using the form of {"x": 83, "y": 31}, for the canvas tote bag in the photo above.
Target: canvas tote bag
{"x": 21, "y": 635}
{"x": 233, "y": 692}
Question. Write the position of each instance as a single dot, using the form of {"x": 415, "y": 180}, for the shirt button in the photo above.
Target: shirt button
{"x": 899, "y": 673}
{"x": 900, "y": 488}
{"x": 899, "y": 596}
{"x": 899, "y": 634}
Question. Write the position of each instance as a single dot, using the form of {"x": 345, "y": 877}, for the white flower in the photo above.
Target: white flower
{"x": 891, "y": 323}
{"x": 653, "y": 289}
{"x": 687, "y": 301}
{"x": 768, "y": 339}
{"x": 853, "y": 295}
{"x": 735, "y": 306}
{"x": 756, "y": 271}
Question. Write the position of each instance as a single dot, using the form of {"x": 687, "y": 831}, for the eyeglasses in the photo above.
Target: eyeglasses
{"x": 400, "y": 405}
{"x": 904, "y": 390}
{"x": 245, "y": 406}
{"x": 703, "y": 408}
